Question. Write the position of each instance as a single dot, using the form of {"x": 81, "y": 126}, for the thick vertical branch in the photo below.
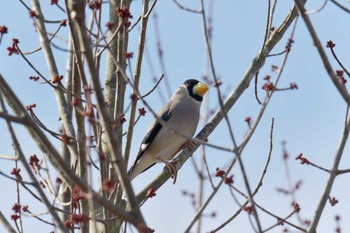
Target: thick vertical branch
{"x": 78, "y": 77}
{"x": 118, "y": 114}
{"x": 51, "y": 64}
{"x": 137, "y": 73}
{"x": 82, "y": 168}
{"x": 64, "y": 192}
{"x": 109, "y": 96}
{"x": 110, "y": 80}
{"x": 122, "y": 44}
{"x": 77, "y": 7}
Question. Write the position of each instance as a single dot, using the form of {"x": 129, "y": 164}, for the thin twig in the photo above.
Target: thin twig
{"x": 277, "y": 54}
{"x": 281, "y": 220}
{"x": 150, "y": 9}
{"x": 25, "y": 5}
{"x": 59, "y": 7}
{"x": 154, "y": 87}
{"x": 343, "y": 171}
{"x": 135, "y": 24}
{"x": 273, "y": 12}
{"x": 35, "y": 69}
{"x": 317, "y": 166}
{"x": 317, "y": 10}
{"x": 40, "y": 219}
{"x": 256, "y": 88}
{"x": 185, "y": 8}
{"x": 137, "y": 75}
{"x": 339, "y": 62}
{"x": 50, "y": 39}
{"x": 341, "y": 6}
{"x": 115, "y": 33}
{"x": 268, "y": 25}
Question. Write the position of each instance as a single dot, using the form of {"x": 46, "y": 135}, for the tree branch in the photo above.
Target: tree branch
{"x": 6, "y": 224}
{"x": 51, "y": 64}
{"x": 137, "y": 73}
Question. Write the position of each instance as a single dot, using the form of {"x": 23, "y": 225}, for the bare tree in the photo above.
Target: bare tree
{"x": 99, "y": 101}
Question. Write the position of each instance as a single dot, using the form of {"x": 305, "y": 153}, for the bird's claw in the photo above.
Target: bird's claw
{"x": 172, "y": 170}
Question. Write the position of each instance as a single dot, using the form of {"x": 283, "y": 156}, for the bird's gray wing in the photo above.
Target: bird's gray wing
{"x": 151, "y": 134}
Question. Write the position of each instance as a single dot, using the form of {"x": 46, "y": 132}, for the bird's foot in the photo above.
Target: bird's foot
{"x": 172, "y": 170}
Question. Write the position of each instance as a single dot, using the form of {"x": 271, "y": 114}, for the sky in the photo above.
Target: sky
{"x": 309, "y": 120}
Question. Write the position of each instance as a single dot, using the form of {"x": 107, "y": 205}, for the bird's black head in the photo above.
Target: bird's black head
{"x": 196, "y": 89}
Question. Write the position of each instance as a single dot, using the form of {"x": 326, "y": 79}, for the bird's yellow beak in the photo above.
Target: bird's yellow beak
{"x": 200, "y": 89}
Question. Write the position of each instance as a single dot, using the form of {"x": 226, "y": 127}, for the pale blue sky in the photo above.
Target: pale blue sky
{"x": 309, "y": 119}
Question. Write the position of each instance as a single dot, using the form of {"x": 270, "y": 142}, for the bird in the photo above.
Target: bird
{"x": 181, "y": 116}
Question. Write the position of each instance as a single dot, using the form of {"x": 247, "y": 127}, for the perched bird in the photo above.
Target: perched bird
{"x": 181, "y": 116}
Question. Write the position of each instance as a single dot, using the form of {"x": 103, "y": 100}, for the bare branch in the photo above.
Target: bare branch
{"x": 317, "y": 10}
{"x": 137, "y": 74}
{"x": 339, "y": 62}
{"x": 11, "y": 118}
{"x": 53, "y": 36}
{"x": 6, "y": 224}
{"x": 53, "y": 71}
{"x": 340, "y": 6}
{"x": 153, "y": 88}
{"x": 185, "y": 8}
